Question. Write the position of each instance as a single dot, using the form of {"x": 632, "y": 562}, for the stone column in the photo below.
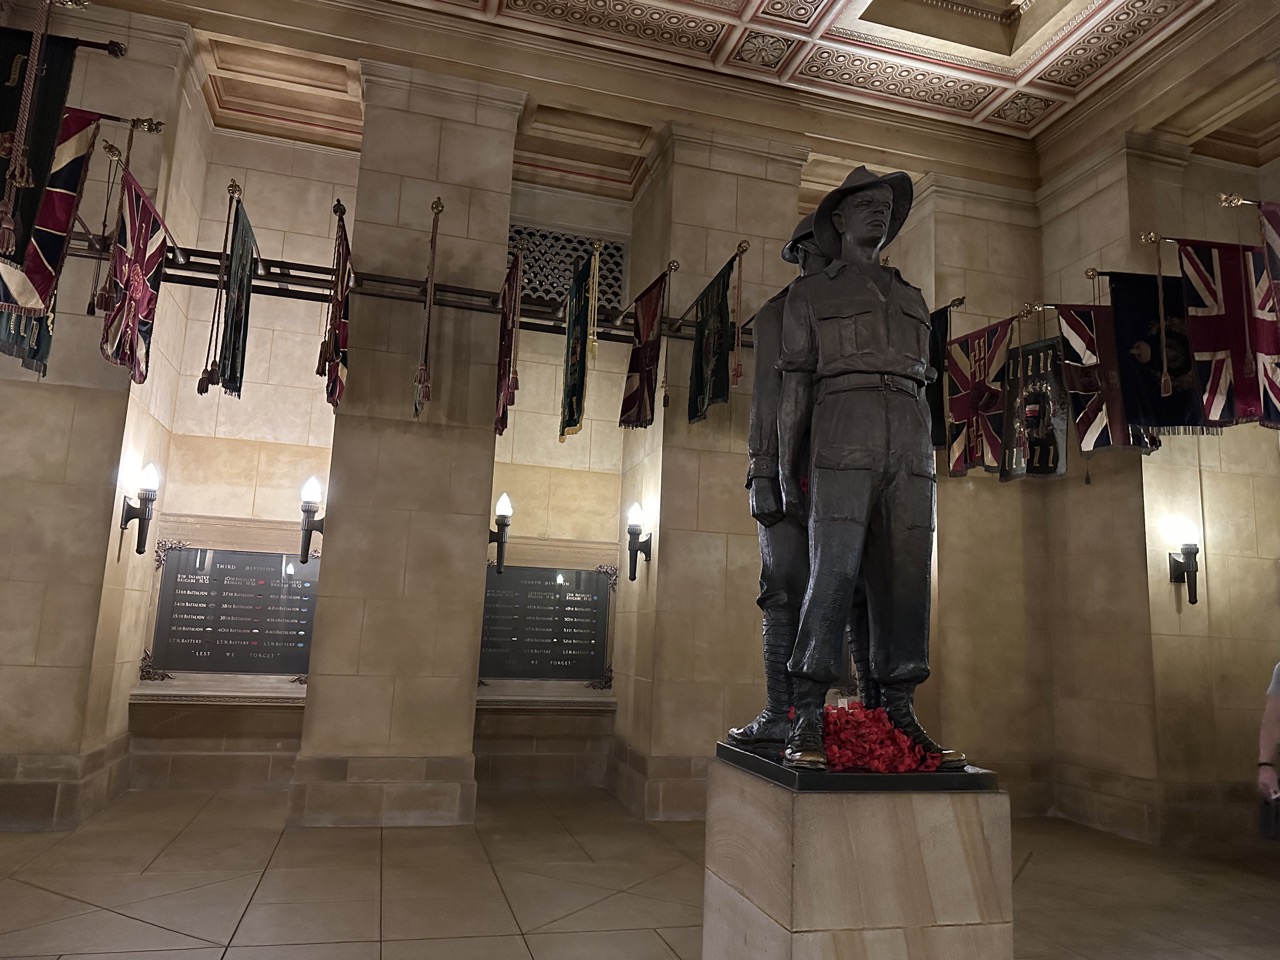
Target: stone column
{"x": 74, "y": 595}
{"x": 689, "y": 659}
{"x": 391, "y": 699}
{"x": 981, "y": 241}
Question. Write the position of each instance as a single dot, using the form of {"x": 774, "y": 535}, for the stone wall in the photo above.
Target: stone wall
{"x": 249, "y": 456}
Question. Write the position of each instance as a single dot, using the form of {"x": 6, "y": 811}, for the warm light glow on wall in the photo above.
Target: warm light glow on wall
{"x": 1176, "y": 529}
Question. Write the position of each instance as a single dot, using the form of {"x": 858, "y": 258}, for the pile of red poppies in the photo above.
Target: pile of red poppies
{"x": 861, "y": 739}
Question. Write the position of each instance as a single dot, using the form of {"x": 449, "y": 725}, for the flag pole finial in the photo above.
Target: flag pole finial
{"x": 673, "y": 266}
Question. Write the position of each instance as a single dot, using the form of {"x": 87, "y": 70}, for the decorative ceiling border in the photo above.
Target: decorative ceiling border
{"x": 885, "y": 44}
{"x": 658, "y": 27}
{"x": 1122, "y": 28}
{"x": 898, "y": 80}
{"x": 797, "y": 14}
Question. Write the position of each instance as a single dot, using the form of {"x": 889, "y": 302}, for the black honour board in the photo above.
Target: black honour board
{"x": 544, "y": 624}
{"x": 232, "y": 611}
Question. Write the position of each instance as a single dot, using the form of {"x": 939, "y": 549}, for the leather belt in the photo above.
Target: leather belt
{"x": 869, "y": 381}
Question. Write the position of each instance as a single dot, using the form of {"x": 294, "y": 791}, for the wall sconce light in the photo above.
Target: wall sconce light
{"x": 311, "y": 494}
{"x": 636, "y": 546}
{"x": 148, "y": 485}
{"x": 1183, "y": 567}
{"x": 502, "y": 517}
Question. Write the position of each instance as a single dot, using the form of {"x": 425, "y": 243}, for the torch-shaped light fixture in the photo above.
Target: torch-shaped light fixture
{"x": 311, "y": 495}
{"x": 148, "y": 485}
{"x": 1183, "y": 567}
{"x": 635, "y": 545}
{"x": 502, "y": 517}
{"x": 1180, "y": 533}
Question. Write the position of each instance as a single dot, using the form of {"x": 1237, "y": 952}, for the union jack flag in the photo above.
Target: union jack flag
{"x": 1222, "y": 295}
{"x": 1265, "y": 282}
{"x": 975, "y": 397}
{"x": 137, "y": 263}
{"x": 1093, "y": 380}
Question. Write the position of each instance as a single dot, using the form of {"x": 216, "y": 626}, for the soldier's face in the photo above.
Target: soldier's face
{"x": 863, "y": 217}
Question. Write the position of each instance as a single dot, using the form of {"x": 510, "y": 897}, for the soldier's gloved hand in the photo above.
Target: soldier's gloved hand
{"x": 766, "y": 500}
{"x": 794, "y": 502}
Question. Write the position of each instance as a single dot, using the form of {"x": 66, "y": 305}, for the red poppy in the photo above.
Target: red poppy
{"x": 861, "y": 739}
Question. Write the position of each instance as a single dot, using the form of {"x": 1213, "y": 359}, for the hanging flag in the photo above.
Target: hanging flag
{"x": 975, "y": 373}
{"x": 1145, "y": 348}
{"x": 137, "y": 262}
{"x": 30, "y": 335}
{"x": 332, "y": 364}
{"x": 508, "y": 338}
{"x": 639, "y": 394}
{"x": 579, "y": 313}
{"x": 31, "y": 107}
{"x": 1219, "y": 293}
{"x": 239, "y": 290}
{"x": 1265, "y": 277}
{"x": 1035, "y": 412}
{"x": 713, "y": 342}
{"x": 1092, "y": 378}
{"x": 935, "y": 392}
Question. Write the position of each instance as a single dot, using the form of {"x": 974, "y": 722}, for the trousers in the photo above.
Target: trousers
{"x": 872, "y": 510}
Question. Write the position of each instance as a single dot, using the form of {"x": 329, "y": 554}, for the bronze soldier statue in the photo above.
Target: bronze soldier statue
{"x": 784, "y": 539}
{"x": 854, "y": 419}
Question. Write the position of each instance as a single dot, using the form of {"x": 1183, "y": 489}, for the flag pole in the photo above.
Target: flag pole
{"x": 737, "y": 255}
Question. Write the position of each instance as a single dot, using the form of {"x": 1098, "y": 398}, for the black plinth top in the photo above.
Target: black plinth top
{"x": 767, "y": 762}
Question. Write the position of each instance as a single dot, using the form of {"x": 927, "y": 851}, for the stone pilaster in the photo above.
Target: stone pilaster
{"x": 688, "y": 663}
{"x": 390, "y": 712}
{"x": 74, "y": 596}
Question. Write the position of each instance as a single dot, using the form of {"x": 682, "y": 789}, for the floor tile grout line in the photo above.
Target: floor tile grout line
{"x": 100, "y": 909}
{"x": 183, "y": 830}
{"x": 493, "y": 868}
{"x": 129, "y": 903}
{"x": 256, "y": 887}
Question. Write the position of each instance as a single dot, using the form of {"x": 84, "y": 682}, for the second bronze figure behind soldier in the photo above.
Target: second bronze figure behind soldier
{"x": 784, "y": 540}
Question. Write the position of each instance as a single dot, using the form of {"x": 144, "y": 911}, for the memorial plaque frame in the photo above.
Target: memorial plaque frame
{"x": 545, "y": 624}
{"x": 235, "y": 611}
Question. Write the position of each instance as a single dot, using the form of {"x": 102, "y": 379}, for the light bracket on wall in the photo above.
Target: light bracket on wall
{"x": 502, "y": 518}
{"x": 148, "y": 487}
{"x": 311, "y": 494}
{"x": 1183, "y": 567}
{"x": 637, "y": 547}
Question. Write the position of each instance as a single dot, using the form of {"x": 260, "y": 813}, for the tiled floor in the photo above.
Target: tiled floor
{"x": 215, "y": 876}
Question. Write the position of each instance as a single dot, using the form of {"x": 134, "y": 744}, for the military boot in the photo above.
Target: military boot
{"x": 869, "y": 694}
{"x": 899, "y": 703}
{"x": 805, "y": 748}
{"x": 773, "y": 723}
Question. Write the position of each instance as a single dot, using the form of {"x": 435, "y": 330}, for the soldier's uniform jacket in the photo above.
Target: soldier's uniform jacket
{"x": 848, "y": 326}
{"x": 762, "y": 436}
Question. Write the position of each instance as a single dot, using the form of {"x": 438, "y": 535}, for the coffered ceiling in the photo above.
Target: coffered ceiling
{"x": 923, "y": 75}
{"x": 1007, "y": 65}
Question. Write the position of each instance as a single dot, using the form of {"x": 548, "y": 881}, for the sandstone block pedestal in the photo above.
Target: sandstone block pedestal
{"x": 902, "y": 867}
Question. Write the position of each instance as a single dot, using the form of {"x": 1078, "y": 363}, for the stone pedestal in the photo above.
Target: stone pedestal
{"x": 891, "y": 868}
